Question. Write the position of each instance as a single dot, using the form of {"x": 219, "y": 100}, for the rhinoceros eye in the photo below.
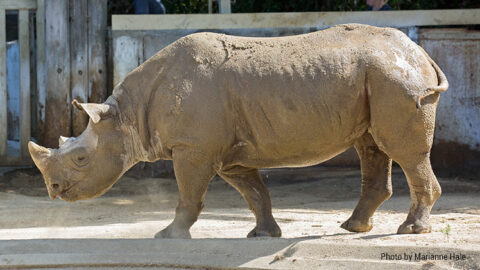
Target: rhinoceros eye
{"x": 80, "y": 160}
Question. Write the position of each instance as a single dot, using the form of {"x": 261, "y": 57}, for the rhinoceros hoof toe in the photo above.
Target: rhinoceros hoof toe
{"x": 276, "y": 232}
{"x": 353, "y": 225}
{"x": 173, "y": 233}
{"x": 414, "y": 227}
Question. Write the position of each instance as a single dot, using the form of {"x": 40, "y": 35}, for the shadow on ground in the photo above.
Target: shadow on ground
{"x": 23, "y": 198}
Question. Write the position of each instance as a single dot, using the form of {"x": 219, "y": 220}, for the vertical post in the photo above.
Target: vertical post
{"x": 57, "y": 107}
{"x": 3, "y": 85}
{"x": 412, "y": 33}
{"x": 224, "y": 6}
{"x": 24, "y": 43}
{"x": 33, "y": 75}
{"x": 127, "y": 54}
{"x": 79, "y": 61}
{"x": 97, "y": 62}
{"x": 210, "y": 6}
{"x": 109, "y": 62}
{"x": 41, "y": 65}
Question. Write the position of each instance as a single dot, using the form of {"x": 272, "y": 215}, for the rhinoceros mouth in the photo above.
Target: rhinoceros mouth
{"x": 65, "y": 195}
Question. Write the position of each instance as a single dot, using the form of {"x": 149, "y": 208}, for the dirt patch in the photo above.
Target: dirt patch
{"x": 309, "y": 205}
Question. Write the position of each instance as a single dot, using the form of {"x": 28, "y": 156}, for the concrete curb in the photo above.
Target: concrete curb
{"x": 217, "y": 254}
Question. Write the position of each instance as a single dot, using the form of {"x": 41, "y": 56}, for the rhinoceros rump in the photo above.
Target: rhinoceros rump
{"x": 218, "y": 104}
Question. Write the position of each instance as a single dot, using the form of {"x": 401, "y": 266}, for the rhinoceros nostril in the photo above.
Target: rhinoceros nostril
{"x": 55, "y": 186}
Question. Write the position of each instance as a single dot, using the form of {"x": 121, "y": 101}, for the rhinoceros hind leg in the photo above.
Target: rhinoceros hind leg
{"x": 250, "y": 185}
{"x": 376, "y": 184}
{"x": 424, "y": 191}
{"x": 193, "y": 172}
{"x": 405, "y": 133}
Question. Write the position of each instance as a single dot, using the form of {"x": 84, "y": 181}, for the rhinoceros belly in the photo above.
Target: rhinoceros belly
{"x": 285, "y": 122}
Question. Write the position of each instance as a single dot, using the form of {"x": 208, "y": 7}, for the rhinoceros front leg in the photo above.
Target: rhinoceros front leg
{"x": 193, "y": 172}
{"x": 250, "y": 185}
{"x": 376, "y": 184}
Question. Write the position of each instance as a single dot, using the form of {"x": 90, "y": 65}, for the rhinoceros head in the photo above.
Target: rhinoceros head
{"x": 88, "y": 165}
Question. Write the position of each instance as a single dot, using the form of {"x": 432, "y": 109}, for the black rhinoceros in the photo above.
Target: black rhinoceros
{"x": 219, "y": 104}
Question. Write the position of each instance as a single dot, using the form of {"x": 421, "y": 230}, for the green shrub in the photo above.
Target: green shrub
{"x": 247, "y": 6}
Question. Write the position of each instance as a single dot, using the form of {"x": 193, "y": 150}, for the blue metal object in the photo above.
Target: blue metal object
{"x": 149, "y": 7}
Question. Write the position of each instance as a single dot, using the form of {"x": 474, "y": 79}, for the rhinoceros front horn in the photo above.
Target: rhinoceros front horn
{"x": 39, "y": 154}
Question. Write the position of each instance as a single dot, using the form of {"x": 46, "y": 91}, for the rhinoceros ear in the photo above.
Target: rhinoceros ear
{"x": 95, "y": 111}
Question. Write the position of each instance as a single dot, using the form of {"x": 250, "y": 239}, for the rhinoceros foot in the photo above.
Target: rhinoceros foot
{"x": 355, "y": 225}
{"x": 418, "y": 226}
{"x": 172, "y": 232}
{"x": 271, "y": 231}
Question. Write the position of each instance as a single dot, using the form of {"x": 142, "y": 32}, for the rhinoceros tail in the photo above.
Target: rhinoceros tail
{"x": 442, "y": 83}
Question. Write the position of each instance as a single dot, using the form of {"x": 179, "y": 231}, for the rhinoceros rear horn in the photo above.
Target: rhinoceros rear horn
{"x": 62, "y": 140}
{"x": 39, "y": 154}
{"x": 95, "y": 111}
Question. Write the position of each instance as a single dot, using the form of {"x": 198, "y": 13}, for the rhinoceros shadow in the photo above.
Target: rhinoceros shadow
{"x": 297, "y": 194}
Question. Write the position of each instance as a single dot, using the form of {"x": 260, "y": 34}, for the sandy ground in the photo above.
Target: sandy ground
{"x": 116, "y": 230}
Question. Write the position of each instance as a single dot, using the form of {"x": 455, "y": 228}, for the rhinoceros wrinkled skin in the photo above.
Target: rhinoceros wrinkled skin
{"x": 218, "y": 104}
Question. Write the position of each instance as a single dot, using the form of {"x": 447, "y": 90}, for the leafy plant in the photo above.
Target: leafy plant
{"x": 247, "y": 6}
{"x": 446, "y": 231}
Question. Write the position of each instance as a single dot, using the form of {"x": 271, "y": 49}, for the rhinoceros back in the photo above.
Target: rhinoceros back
{"x": 267, "y": 102}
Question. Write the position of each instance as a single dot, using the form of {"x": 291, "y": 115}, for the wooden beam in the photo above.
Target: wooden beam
{"x": 79, "y": 61}
{"x": 19, "y": 4}
{"x": 319, "y": 20}
{"x": 33, "y": 75}
{"x": 41, "y": 65}
{"x": 127, "y": 50}
{"x": 224, "y": 7}
{"x": 457, "y": 34}
{"x": 57, "y": 107}
{"x": 3, "y": 86}
{"x": 97, "y": 61}
{"x": 25, "y": 117}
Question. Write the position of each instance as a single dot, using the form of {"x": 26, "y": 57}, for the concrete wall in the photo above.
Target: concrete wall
{"x": 457, "y": 133}
{"x": 456, "y": 50}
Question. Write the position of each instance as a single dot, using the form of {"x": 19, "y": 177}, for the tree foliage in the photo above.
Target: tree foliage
{"x": 343, "y": 5}
{"x": 244, "y": 6}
